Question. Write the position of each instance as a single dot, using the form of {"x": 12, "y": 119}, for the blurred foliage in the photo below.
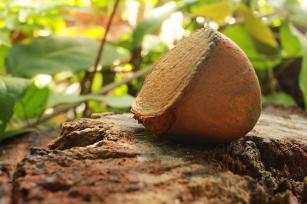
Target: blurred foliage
{"x": 47, "y": 45}
{"x": 51, "y": 55}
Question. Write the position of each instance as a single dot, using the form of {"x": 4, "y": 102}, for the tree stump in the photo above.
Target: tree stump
{"x": 111, "y": 158}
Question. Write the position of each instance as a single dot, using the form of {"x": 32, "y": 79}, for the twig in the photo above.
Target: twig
{"x": 135, "y": 61}
{"x": 87, "y": 81}
{"x": 104, "y": 90}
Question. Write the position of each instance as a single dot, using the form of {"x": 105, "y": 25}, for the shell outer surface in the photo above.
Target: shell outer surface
{"x": 204, "y": 89}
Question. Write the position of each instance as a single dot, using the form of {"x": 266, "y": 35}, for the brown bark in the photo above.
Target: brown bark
{"x": 112, "y": 159}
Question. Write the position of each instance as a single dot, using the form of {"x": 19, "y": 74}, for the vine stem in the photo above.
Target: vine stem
{"x": 87, "y": 81}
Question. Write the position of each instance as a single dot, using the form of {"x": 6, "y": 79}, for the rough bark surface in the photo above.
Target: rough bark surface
{"x": 5, "y": 186}
{"x": 112, "y": 159}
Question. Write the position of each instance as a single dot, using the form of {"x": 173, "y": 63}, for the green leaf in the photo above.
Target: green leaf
{"x": 290, "y": 43}
{"x": 11, "y": 90}
{"x": 150, "y": 24}
{"x": 12, "y": 133}
{"x": 242, "y": 38}
{"x": 217, "y": 11}
{"x": 5, "y": 38}
{"x": 33, "y": 104}
{"x": 303, "y": 73}
{"x": 3, "y": 51}
{"x": 240, "y": 35}
{"x": 257, "y": 28}
{"x": 50, "y": 55}
{"x": 97, "y": 82}
{"x": 279, "y": 99}
{"x": 124, "y": 101}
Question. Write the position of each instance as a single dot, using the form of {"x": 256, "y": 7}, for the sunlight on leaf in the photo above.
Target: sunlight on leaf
{"x": 150, "y": 24}
{"x": 94, "y": 32}
{"x": 217, "y": 11}
{"x": 97, "y": 82}
{"x": 4, "y": 38}
{"x": 59, "y": 119}
{"x": 257, "y": 28}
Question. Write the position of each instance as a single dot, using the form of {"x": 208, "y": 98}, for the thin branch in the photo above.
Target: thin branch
{"x": 87, "y": 81}
{"x": 103, "y": 41}
{"x": 104, "y": 90}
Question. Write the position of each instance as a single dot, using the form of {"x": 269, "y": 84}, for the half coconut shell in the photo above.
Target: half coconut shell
{"x": 203, "y": 90}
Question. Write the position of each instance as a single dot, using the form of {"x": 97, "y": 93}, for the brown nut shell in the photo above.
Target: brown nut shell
{"x": 204, "y": 90}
